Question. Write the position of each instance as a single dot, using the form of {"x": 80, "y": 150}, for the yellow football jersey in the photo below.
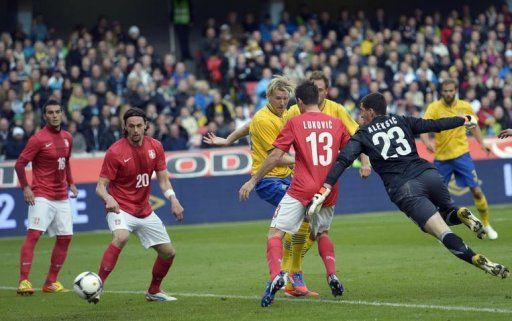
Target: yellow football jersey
{"x": 332, "y": 109}
{"x": 449, "y": 144}
{"x": 264, "y": 128}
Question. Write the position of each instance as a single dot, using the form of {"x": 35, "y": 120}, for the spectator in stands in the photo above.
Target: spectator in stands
{"x": 217, "y": 106}
{"x": 92, "y": 135}
{"x": 175, "y": 140}
{"x": 15, "y": 143}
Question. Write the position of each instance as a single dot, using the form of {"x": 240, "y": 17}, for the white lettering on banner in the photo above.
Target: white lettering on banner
{"x": 233, "y": 163}
{"x": 79, "y": 204}
{"x": 507, "y": 178}
{"x": 6, "y": 208}
{"x": 217, "y": 163}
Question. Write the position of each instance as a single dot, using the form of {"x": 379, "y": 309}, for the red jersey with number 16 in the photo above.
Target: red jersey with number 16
{"x": 129, "y": 169}
{"x": 49, "y": 151}
{"x": 317, "y": 139}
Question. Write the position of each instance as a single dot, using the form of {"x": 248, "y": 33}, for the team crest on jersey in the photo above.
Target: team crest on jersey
{"x": 66, "y": 142}
{"x": 152, "y": 153}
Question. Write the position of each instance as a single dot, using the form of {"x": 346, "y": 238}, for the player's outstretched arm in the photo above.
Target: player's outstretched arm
{"x": 214, "y": 140}
{"x": 101, "y": 190}
{"x": 478, "y": 136}
{"x": 168, "y": 191}
{"x": 505, "y": 133}
{"x": 344, "y": 160}
{"x": 428, "y": 143}
{"x": 270, "y": 162}
{"x": 287, "y": 160}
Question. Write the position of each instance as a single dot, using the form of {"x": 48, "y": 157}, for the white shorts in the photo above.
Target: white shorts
{"x": 51, "y": 216}
{"x": 290, "y": 213}
{"x": 150, "y": 230}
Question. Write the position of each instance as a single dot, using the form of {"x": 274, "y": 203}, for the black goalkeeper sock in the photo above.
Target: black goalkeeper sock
{"x": 456, "y": 245}
{"x": 451, "y": 218}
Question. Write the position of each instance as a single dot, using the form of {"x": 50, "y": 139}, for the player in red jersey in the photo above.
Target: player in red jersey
{"x": 126, "y": 172}
{"x": 49, "y": 208}
{"x": 317, "y": 139}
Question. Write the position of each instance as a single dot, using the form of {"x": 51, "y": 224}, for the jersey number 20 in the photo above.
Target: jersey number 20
{"x": 142, "y": 180}
{"x": 324, "y": 138}
{"x": 387, "y": 137}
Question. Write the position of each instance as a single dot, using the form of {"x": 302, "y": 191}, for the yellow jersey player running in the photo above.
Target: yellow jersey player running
{"x": 296, "y": 246}
{"x": 451, "y": 150}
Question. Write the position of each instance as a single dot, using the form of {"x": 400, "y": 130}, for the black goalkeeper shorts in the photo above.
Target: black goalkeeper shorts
{"x": 420, "y": 198}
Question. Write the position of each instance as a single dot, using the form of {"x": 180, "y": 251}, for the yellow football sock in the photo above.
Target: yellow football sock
{"x": 298, "y": 242}
{"x": 307, "y": 246}
{"x": 287, "y": 253}
{"x": 483, "y": 209}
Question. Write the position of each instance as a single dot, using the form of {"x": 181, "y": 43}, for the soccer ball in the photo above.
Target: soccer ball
{"x": 88, "y": 285}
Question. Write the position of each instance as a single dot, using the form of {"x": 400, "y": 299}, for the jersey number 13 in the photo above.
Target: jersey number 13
{"x": 326, "y": 139}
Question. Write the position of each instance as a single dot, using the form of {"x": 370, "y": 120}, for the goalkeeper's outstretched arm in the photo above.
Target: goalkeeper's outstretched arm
{"x": 344, "y": 160}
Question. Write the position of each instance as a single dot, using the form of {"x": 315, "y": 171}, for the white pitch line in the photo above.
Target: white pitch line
{"x": 301, "y": 300}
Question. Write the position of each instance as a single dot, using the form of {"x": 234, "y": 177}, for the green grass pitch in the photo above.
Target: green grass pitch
{"x": 390, "y": 269}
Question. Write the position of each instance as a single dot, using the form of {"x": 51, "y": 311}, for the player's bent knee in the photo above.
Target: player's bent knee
{"x": 120, "y": 238}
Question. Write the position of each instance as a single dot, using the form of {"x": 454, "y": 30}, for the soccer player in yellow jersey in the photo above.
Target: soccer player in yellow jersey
{"x": 451, "y": 150}
{"x": 297, "y": 245}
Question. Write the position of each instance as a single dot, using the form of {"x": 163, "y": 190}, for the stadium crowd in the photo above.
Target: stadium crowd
{"x": 99, "y": 72}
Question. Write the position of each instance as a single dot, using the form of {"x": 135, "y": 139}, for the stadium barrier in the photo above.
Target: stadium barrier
{"x": 207, "y": 184}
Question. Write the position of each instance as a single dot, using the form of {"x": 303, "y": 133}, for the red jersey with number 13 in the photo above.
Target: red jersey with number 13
{"x": 129, "y": 169}
{"x": 317, "y": 139}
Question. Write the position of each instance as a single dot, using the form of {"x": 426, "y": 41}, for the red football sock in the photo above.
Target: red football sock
{"x": 108, "y": 262}
{"x": 160, "y": 269}
{"x": 27, "y": 252}
{"x": 326, "y": 251}
{"x": 274, "y": 255}
{"x": 60, "y": 251}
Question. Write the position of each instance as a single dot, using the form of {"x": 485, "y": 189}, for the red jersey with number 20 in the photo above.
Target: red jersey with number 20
{"x": 317, "y": 139}
{"x": 129, "y": 169}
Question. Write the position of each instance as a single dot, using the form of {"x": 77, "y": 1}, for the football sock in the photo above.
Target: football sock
{"x": 287, "y": 253}
{"x": 160, "y": 269}
{"x": 299, "y": 241}
{"x": 108, "y": 262}
{"x": 59, "y": 253}
{"x": 483, "y": 209}
{"x": 452, "y": 218}
{"x": 326, "y": 251}
{"x": 456, "y": 245}
{"x": 274, "y": 255}
{"x": 27, "y": 252}
{"x": 307, "y": 246}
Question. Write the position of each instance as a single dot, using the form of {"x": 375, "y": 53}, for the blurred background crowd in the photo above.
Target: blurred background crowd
{"x": 217, "y": 82}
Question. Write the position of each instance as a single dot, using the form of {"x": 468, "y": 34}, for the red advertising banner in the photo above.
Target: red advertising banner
{"x": 226, "y": 161}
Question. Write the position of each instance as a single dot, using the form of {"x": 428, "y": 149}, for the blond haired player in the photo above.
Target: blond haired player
{"x": 297, "y": 245}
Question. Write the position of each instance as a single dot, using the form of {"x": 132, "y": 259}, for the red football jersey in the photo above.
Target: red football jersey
{"x": 49, "y": 151}
{"x": 129, "y": 169}
{"x": 317, "y": 139}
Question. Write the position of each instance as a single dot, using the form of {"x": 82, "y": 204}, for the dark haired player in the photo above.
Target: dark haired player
{"x": 317, "y": 139}
{"x": 124, "y": 186}
{"x": 49, "y": 208}
{"x": 412, "y": 183}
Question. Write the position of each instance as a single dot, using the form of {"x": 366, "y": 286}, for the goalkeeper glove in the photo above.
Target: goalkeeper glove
{"x": 471, "y": 122}
{"x": 318, "y": 199}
